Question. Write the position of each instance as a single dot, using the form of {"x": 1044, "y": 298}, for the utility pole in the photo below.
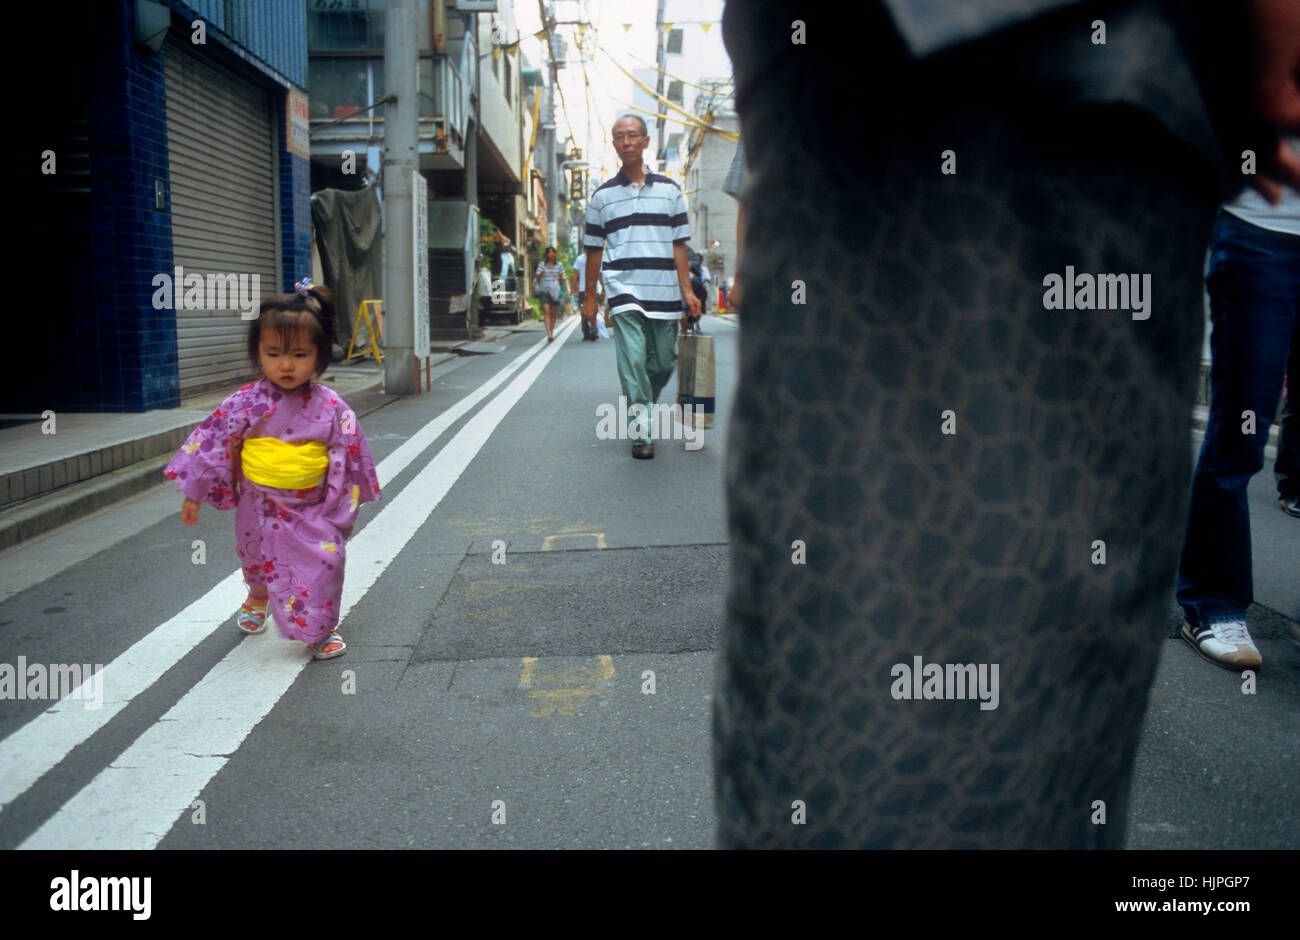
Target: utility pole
{"x": 660, "y": 64}
{"x": 401, "y": 160}
{"x": 546, "y": 146}
{"x": 471, "y": 172}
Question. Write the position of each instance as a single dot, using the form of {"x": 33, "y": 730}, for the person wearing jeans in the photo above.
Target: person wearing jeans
{"x": 1254, "y": 285}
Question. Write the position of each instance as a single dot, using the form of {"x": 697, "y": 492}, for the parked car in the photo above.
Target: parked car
{"x": 508, "y": 302}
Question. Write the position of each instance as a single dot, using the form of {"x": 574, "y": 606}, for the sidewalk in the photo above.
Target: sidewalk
{"x": 94, "y": 460}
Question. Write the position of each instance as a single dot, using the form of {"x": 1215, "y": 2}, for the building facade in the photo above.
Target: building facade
{"x": 170, "y": 193}
{"x": 472, "y": 117}
{"x": 713, "y": 212}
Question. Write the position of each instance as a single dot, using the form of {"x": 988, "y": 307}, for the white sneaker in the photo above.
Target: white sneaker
{"x": 1225, "y": 643}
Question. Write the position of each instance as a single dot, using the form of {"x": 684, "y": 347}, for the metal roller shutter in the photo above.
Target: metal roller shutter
{"x": 223, "y": 199}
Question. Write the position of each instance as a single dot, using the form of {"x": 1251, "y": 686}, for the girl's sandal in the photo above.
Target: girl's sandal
{"x": 329, "y": 647}
{"x": 252, "y": 620}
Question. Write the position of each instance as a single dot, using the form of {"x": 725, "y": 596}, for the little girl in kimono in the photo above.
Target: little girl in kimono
{"x": 288, "y": 456}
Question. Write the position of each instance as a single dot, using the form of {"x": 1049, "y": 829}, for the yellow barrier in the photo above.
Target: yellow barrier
{"x": 375, "y": 335}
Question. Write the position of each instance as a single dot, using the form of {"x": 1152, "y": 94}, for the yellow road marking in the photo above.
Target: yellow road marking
{"x": 551, "y": 539}
{"x": 560, "y": 701}
{"x": 565, "y": 701}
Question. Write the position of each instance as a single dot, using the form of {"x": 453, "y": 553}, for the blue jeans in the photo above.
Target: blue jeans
{"x": 1254, "y": 285}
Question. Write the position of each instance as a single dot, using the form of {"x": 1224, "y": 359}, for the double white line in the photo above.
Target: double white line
{"x": 134, "y": 801}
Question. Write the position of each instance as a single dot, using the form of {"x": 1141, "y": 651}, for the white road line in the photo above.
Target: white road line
{"x": 398, "y": 460}
{"x": 38, "y": 746}
{"x": 134, "y": 801}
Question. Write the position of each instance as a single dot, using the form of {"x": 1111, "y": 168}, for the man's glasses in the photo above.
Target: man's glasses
{"x": 620, "y": 138}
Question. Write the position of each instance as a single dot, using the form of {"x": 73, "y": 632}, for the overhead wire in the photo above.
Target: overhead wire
{"x": 667, "y": 74}
{"x": 698, "y": 125}
{"x": 695, "y": 121}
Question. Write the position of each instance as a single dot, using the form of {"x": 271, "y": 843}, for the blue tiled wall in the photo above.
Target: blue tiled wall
{"x": 127, "y": 351}
{"x": 295, "y": 214}
{"x": 127, "y": 348}
{"x": 272, "y": 31}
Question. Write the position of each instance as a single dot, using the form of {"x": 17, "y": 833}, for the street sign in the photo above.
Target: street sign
{"x": 297, "y": 129}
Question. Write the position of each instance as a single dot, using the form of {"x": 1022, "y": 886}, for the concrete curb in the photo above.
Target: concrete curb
{"x": 57, "y": 476}
{"x": 69, "y": 503}
{"x": 81, "y": 499}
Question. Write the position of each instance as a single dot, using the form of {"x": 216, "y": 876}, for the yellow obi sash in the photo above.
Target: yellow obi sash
{"x": 270, "y": 461}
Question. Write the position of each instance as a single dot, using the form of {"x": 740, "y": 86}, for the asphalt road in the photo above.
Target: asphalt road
{"x": 532, "y": 619}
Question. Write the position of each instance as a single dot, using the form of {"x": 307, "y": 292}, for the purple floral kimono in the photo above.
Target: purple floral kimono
{"x": 291, "y": 541}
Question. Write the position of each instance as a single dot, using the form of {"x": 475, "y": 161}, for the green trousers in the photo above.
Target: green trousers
{"x": 646, "y": 351}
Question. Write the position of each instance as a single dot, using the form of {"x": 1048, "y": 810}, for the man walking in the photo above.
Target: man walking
{"x": 637, "y": 230}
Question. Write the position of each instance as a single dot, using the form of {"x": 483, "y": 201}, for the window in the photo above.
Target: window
{"x": 674, "y": 42}
{"x": 429, "y": 94}
{"x": 343, "y": 85}
{"x": 675, "y": 91}
{"x": 339, "y": 25}
{"x": 377, "y": 23}
{"x": 336, "y": 24}
{"x": 505, "y": 58}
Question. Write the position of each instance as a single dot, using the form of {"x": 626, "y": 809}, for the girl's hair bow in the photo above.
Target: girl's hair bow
{"x": 303, "y": 286}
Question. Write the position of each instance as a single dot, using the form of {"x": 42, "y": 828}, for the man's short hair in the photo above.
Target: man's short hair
{"x": 645, "y": 128}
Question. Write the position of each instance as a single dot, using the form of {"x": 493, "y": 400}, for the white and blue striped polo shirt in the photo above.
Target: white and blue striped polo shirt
{"x": 637, "y": 227}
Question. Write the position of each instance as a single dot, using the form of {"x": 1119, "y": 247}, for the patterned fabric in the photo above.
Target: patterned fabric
{"x": 1157, "y": 57}
{"x": 925, "y": 301}
{"x": 290, "y": 541}
{"x": 637, "y": 226}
